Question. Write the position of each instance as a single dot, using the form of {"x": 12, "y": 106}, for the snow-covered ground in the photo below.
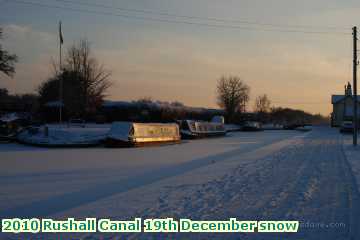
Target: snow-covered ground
{"x": 232, "y": 127}
{"x": 353, "y": 155}
{"x": 270, "y": 175}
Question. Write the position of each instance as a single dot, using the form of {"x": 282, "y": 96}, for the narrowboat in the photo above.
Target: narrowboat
{"x": 127, "y": 134}
{"x": 252, "y": 126}
{"x": 191, "y": 129}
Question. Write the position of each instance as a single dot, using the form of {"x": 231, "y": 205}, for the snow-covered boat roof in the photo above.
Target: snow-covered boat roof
{"x": 120, "y": 130}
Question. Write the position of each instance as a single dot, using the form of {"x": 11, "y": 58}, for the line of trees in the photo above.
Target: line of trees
{"x": 233, "y": 95}
{"x": 149, "y": 110}
{"x": 18, "y": 102}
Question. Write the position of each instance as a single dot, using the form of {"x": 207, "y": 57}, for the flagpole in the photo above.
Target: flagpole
{"x": 61, "y": 80}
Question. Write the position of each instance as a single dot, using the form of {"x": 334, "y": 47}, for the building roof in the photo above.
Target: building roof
{"x": 338, "y": 98}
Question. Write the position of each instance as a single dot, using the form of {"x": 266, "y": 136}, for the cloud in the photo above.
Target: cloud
{"x": 26, "y": 39}
{"x": 18, "y": 33}
{"x": 34, "y": 49}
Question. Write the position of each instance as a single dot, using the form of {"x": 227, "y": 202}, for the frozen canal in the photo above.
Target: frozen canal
{"x": 271, "y": 175}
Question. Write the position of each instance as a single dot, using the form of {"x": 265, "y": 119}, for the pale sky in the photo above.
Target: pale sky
{"x": 181, "y": 62}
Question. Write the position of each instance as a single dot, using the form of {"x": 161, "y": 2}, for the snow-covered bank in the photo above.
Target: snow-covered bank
{"x": 353, "y": 156}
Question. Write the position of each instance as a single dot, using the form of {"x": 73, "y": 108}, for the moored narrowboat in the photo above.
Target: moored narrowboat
{"x": 252, "y": 126}
{"x": 127, "y": 134}
{"x": 191, "y": 129}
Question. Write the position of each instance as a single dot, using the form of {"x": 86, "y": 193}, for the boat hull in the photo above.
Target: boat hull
{"x": 115, "y": 143}
{"x": 58, "y": 145}
{"x": 187, "y": 135}
{"x": 251, "y": 129}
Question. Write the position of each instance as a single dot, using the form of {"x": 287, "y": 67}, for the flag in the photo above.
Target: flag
{"x": 60, "y": 34}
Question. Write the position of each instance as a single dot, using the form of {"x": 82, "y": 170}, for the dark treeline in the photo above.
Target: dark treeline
{"x": 286, "y": 116}
{"x": 148, "y": 110}
{"x": 18, "y": 102}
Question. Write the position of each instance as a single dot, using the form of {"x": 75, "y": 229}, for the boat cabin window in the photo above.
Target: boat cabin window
{"x": 184, "y": 125}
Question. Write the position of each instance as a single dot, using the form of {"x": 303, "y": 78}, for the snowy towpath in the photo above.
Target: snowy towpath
{"x": 310, "y": 181}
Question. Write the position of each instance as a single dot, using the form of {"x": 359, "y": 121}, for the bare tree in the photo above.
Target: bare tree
{"x": 94, "y": 78}
{"x": 262, "y": 104}
{"x": 232, "y": 95}
{"x": 85, "y": 81}
{"x": 7, "y": 61}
